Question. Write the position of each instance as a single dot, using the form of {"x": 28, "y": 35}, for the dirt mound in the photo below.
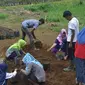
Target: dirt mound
{"x": 38, "y": 44}
{"x": 55, "y": 75}
{"x": 6, "y": 33}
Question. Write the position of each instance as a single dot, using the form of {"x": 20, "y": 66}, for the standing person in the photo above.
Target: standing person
{"x": 15, "y": 50}
{"x": 28, "y": 28}
{"x": 73, "y": 30}
{"x": 80, "y": 58}
{"x": 60, "y": 43}
{"x": 34, "y": 69}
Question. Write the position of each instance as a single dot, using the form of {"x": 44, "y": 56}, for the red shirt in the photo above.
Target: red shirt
{"x": 80, "y": 50}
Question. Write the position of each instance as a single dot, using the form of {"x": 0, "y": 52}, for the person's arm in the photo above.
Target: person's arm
{"x": 27, "y": 70}
{"x": 17, "y": 51}
{"x": 33, "y": 33}
{"x": 11, "y": 75}
{"x": 34, "y": 28}
{"x": 64, "y": 41}
{"x": 72, "y": 37}
{"x": 23, "y": 51}
{"x": 54, "y": 44}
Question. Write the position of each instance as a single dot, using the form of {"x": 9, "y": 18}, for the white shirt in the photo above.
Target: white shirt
{"x": 10, "y": 75}
{"x": 74, "y": 25}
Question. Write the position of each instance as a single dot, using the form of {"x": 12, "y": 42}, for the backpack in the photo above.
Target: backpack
{"x": 81, "y": 36}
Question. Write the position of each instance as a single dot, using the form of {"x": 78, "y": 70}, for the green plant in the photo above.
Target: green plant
{"x": 30, "y": 8}
{"x": 3, "y": 16}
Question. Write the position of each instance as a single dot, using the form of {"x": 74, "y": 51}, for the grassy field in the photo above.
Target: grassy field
{"x": 12, "y": 16}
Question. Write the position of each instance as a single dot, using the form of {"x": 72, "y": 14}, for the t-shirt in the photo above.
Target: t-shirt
{"x": 32, "y": 23}
{"x": 73, "y": 25}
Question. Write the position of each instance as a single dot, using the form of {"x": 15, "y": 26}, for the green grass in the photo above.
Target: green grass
{"x": 52, "y": 12}
{"x": 45, "y": 7}
{"x": 3, "y": 16}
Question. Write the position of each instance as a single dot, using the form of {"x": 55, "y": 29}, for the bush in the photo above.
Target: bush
{"x": 45, "y": 7}
{"x": 31, "y": 8}
{"x": 39, "y": 7}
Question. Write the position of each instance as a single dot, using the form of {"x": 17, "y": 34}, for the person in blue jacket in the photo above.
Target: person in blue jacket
{"x": 4, "y": 75}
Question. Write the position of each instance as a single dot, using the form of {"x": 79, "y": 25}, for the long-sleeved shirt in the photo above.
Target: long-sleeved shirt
{"x": 10, "y": 75}
{"x": 31, "y": 23}
{"x": 37, "y": 70}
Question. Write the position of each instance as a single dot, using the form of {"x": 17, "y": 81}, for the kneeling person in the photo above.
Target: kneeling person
{"x": 34, "y": 69}
{"x": 15, "y": 50}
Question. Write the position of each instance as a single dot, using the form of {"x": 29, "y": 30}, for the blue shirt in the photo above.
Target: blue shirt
{"x": 32, "y": 23}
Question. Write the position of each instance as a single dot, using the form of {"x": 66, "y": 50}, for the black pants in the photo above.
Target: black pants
{"x": 25, "y": 31}
{"x": 31, "y": 78}
{"x": 71, "y": 50}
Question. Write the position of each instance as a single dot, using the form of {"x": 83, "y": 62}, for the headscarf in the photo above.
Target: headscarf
{"x": 60, "y": 36}
{"x": 19, "y": 45}
{"x": 29, "y": 58}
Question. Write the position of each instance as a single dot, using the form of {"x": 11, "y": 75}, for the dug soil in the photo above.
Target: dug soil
{"x": 55, "y": 75}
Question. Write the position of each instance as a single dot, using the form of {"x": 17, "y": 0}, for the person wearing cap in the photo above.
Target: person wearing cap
{"x": 15, "y": 50}
{"x": 73, "y": 30}
{"x": 34, "y": 70}
{"x": 4, "y": 75}
{"x": 28, "y": 28}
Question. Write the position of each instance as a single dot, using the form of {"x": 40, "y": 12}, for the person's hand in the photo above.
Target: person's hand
{"x": 59, "y": 49}
{"x": 16, "y": 69}
{"x": 48, "y": 50}
{"x": 19, "y": 69}
{"x": 34, "y": 39}
{"x": 70, "y": 45}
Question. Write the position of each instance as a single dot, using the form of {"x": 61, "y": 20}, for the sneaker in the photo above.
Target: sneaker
{"x": 68, "y": 69}
{"x": 77, "y": 83}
